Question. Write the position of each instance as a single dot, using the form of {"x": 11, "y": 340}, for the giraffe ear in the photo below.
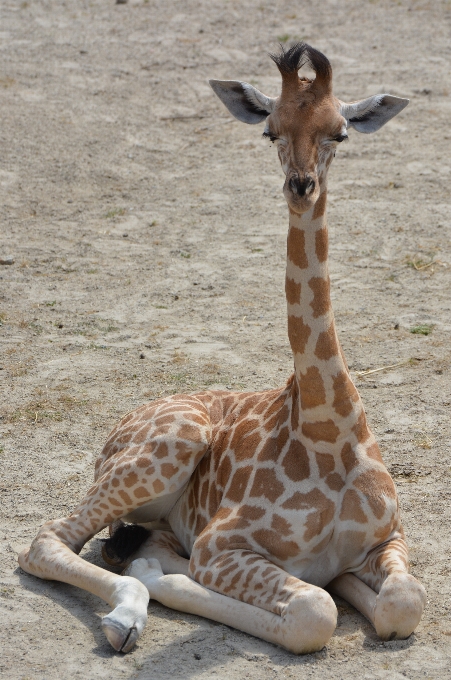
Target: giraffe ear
{"x": 244, "y": 101}
{"x": 368, "y": 115}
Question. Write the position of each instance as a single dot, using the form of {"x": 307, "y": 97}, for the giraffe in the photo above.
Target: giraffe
{"x": 260, "y": 504}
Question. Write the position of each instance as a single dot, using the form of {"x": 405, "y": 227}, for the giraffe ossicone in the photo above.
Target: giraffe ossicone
{"x": 260, "y": 504}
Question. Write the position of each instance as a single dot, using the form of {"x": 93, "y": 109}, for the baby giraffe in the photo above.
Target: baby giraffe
{"x": 264, "y": 502}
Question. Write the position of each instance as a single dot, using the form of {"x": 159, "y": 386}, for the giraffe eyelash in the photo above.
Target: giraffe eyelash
{"x": 270, "y": 136}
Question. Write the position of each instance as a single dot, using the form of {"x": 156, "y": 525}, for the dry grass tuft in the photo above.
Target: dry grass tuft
{"x": 42, "y": 408}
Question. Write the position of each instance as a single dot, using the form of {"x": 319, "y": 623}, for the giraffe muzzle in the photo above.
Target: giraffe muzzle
{"x": 303, "y": 187}
{"x": 300, "y": 192}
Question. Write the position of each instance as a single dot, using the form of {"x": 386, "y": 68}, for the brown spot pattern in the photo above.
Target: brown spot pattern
{"x": 311, "y": 388}
{"x": 349, "y": 541}
{"x": 158, "y": 486}
{"x": 248, "y": 446}
{"x": 335, "y": 481}
{"x": 349, "y": 458}
{"x": 281, "y": 525}
{"x": 298, "y": 334}
{"x": 168, "y": 470}
{"x": 190, "y": 432}
{"x": 345, "y": 394}
{"x": 327, "y": 344}
{"x": 325, "y": 462}
{"x": 321, "y": 510}
{"x": 273, "y": 544}
{"x": 292, "y": 291}
{"x": 360, "y": 429}
{"x": 296, "y": 247}
{"x": 162, "y": 450}
{"x": 320, "y": 205}
{"x": 131, "y": 479}
{"x": 273, "y": 446}
{"x": 321, "y": 295}
{"x": 325, "y": 431}
{"x": 266, "y": 484}
{"x": 251, "y": 512}
{"x": 125, "y": 497}
{"x": 141, "y": 492}
{"x": 373, "y": 452}
{"x": 238, "y": 484}
{"x": 294, "y": 405}
{"x": 351, "y": 508}
{"x": 296, "y": 463}
{"x": 321, "y": 244}
{"x": 374, "y": 484}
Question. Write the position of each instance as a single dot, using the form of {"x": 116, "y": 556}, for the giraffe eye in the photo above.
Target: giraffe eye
{"x": 340, "y": 138}
{"x": 270, "y": 135}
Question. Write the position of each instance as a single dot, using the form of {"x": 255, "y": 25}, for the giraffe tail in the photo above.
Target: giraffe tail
{"x": 125, "y": 540}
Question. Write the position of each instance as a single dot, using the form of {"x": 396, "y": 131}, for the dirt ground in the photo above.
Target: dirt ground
{"x": 148, "y": 236}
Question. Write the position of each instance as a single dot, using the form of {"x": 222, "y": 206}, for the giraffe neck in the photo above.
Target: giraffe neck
{"x": 328, "y": 401}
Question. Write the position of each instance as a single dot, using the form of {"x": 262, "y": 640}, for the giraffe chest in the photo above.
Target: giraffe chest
{"x": 303, "y": 512}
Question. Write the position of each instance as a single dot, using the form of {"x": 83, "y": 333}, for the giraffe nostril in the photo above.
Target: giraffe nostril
{"x": 295, "y": 185}
{"x": 310, "y": 186}
{"x": 301, "y": 188}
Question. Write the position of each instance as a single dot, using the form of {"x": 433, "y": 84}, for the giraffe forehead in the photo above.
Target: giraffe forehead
{"x": 303, "y": 116}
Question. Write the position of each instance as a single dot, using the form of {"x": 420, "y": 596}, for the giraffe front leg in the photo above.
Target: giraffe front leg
{"x": 276, "y": 606}
{"x": 279, "y": 608}
{"x": 383, "y": 591}
{"x": 144, "y": 466}
{"x": 52, "y": 555}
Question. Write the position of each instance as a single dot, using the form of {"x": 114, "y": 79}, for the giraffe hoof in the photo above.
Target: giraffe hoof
{"x": 122, "y": 629}
{"x": 399, "y": 607}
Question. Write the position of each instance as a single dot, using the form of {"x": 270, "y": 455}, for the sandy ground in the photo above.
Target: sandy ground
{"x": 148, "y": 235}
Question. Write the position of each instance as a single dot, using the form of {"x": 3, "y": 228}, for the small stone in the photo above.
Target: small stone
{"x": 6, "y": 260}
{"x": 197, "y": 657}
{"x": 124, "y": 235}
{"x": 121, "y": 2}
{"x": 142, "y": 355}
{"x": 396, "y": 326}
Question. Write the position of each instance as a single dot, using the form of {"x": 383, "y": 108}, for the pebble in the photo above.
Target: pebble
{"x": 6, "y": 260}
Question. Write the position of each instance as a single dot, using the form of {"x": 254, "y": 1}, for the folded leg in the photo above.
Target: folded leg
{"x": 269, "y": 603}
{"x": 384, "y": 592}
{"x": 145, "y": 466}
{"x": 163, "y": 546}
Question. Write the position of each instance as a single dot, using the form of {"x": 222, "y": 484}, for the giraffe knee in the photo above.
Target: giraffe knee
{"x": 311, "y": 619}
{"x": 32, "y": 554}
{"x": 399, "y": 607}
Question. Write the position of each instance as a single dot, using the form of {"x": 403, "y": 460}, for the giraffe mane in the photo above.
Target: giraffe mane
{"x": 290, "y": 61}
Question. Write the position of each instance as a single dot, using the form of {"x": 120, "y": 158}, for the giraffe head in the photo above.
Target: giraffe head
{"x": 306, "y": 121}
